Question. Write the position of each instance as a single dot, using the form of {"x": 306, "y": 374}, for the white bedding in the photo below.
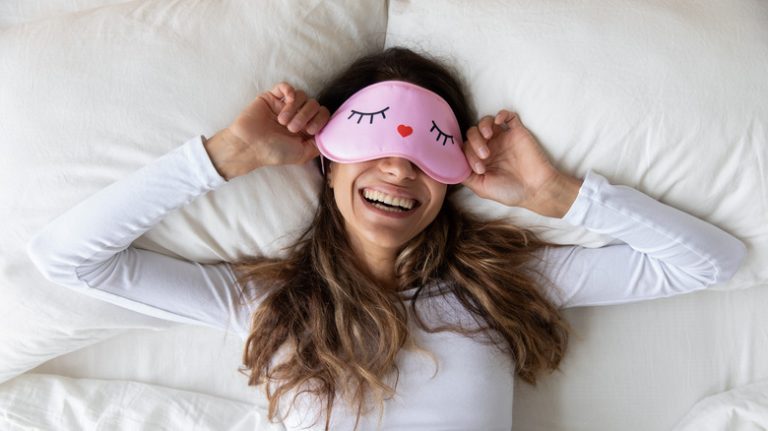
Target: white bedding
{"x": 741, "y": 409}
{"x": 664, "y": 356}
{"x": 43, "y": 401}
{"x": 49, "y": 402}
{"x": 666, "y": 97}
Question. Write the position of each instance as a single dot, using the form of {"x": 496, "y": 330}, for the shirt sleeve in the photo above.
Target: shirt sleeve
{"x": 88, "y": 248}
{"x": 661, "y": 251}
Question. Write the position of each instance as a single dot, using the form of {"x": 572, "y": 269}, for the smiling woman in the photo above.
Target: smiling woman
{"x": 378, "y": 231}
{"x": 339, "y": 293}
{"x": 392, "y": 301}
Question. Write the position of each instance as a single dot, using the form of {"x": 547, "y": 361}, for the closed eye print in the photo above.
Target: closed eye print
{"x": 441, "y": 133}
{"x": 371, "y": 114}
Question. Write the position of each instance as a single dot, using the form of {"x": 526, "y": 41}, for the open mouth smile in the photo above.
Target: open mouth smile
{"x": 388, "y": 204}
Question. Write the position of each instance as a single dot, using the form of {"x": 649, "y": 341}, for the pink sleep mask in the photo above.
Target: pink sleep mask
{"x": 397, "y": 119}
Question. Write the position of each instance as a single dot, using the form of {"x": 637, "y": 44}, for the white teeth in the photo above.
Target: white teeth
{"x": 389, "y": 200}
{"x": 386, "y": 208}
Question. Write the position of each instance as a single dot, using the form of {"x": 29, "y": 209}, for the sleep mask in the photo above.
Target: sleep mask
{"x": 397, "y": 119}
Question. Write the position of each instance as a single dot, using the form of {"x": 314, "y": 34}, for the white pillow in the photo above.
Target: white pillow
{"x": 90, "y": 97}
{"x": 665, "y": 97}
{"x": 14, "y": 12}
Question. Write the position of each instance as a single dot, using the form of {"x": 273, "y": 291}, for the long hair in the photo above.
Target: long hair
{"x": 324, "y": 327}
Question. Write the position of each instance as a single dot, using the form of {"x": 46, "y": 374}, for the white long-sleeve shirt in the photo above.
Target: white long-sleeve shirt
{"x": 664, "y": 252}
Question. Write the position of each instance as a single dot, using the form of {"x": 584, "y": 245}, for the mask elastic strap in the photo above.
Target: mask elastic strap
{"x": 322, "y": 165}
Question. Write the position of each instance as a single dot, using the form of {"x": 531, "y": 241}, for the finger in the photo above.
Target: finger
{"x": 305, "y": 114}
{"x": 291, "y": 107}
{"x": 486, "y": 126}
{"x": 319, "y": 121}
{"x": 477, "y": 143}
{"x": 474, "y": 161}
{"x": 275, "y": 98}
{"x": 281, "y": 94}
{"x": 283, "y": 91}
{"x": 504, "y": 118}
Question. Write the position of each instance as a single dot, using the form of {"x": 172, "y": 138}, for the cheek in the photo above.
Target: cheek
{"x": 344, "y": 195}
{"x": 439, "y": 195}
{"x": 343, "y": 202}
{"x": 436, "y": 204}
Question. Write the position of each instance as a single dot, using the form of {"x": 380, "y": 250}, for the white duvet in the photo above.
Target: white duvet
{"x": 49, "y": 402}
{"x": 741, "y": 409}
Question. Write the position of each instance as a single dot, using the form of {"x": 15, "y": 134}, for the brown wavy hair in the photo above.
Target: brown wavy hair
{"x": 337, "y": 332}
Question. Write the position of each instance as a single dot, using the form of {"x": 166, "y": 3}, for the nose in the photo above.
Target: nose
{"x": 398, "y": 167}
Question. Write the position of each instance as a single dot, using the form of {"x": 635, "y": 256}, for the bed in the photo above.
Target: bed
{"x": 667, "y": 97}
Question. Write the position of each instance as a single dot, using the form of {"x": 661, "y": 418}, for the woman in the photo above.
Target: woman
{"x": 394, "y": 309}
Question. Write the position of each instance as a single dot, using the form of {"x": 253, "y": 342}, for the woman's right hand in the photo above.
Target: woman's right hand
{"x": 277, "y": 128}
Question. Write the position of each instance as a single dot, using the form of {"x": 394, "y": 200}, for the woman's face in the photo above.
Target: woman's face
{"x": 373, "y": 196}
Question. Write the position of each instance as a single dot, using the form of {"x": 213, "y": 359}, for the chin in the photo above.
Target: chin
{"x": 388, "y": 241}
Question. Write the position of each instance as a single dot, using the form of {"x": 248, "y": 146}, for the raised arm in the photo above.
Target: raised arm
{"x": 88, "y": 248}
{"x": 664, "y": 251}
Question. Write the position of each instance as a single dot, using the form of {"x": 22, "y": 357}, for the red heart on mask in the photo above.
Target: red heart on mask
{"x": 404, "y": 130}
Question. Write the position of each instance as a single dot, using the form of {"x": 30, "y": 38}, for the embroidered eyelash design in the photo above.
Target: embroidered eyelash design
{"x": 372, "y": 114}
{"x": 439, "y": 133}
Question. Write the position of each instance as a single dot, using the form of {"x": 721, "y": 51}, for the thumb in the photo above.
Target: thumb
{"x": 514, "y": 122}
{"x": 309, "y": 150}
{"x": 275, "y": 104}
{"x": 472, "y": 181}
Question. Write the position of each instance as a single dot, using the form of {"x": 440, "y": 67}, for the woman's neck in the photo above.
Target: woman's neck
{"x": 379, "y": 262}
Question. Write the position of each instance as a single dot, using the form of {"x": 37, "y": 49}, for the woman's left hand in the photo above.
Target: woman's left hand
{"x": 510, "y": 167}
